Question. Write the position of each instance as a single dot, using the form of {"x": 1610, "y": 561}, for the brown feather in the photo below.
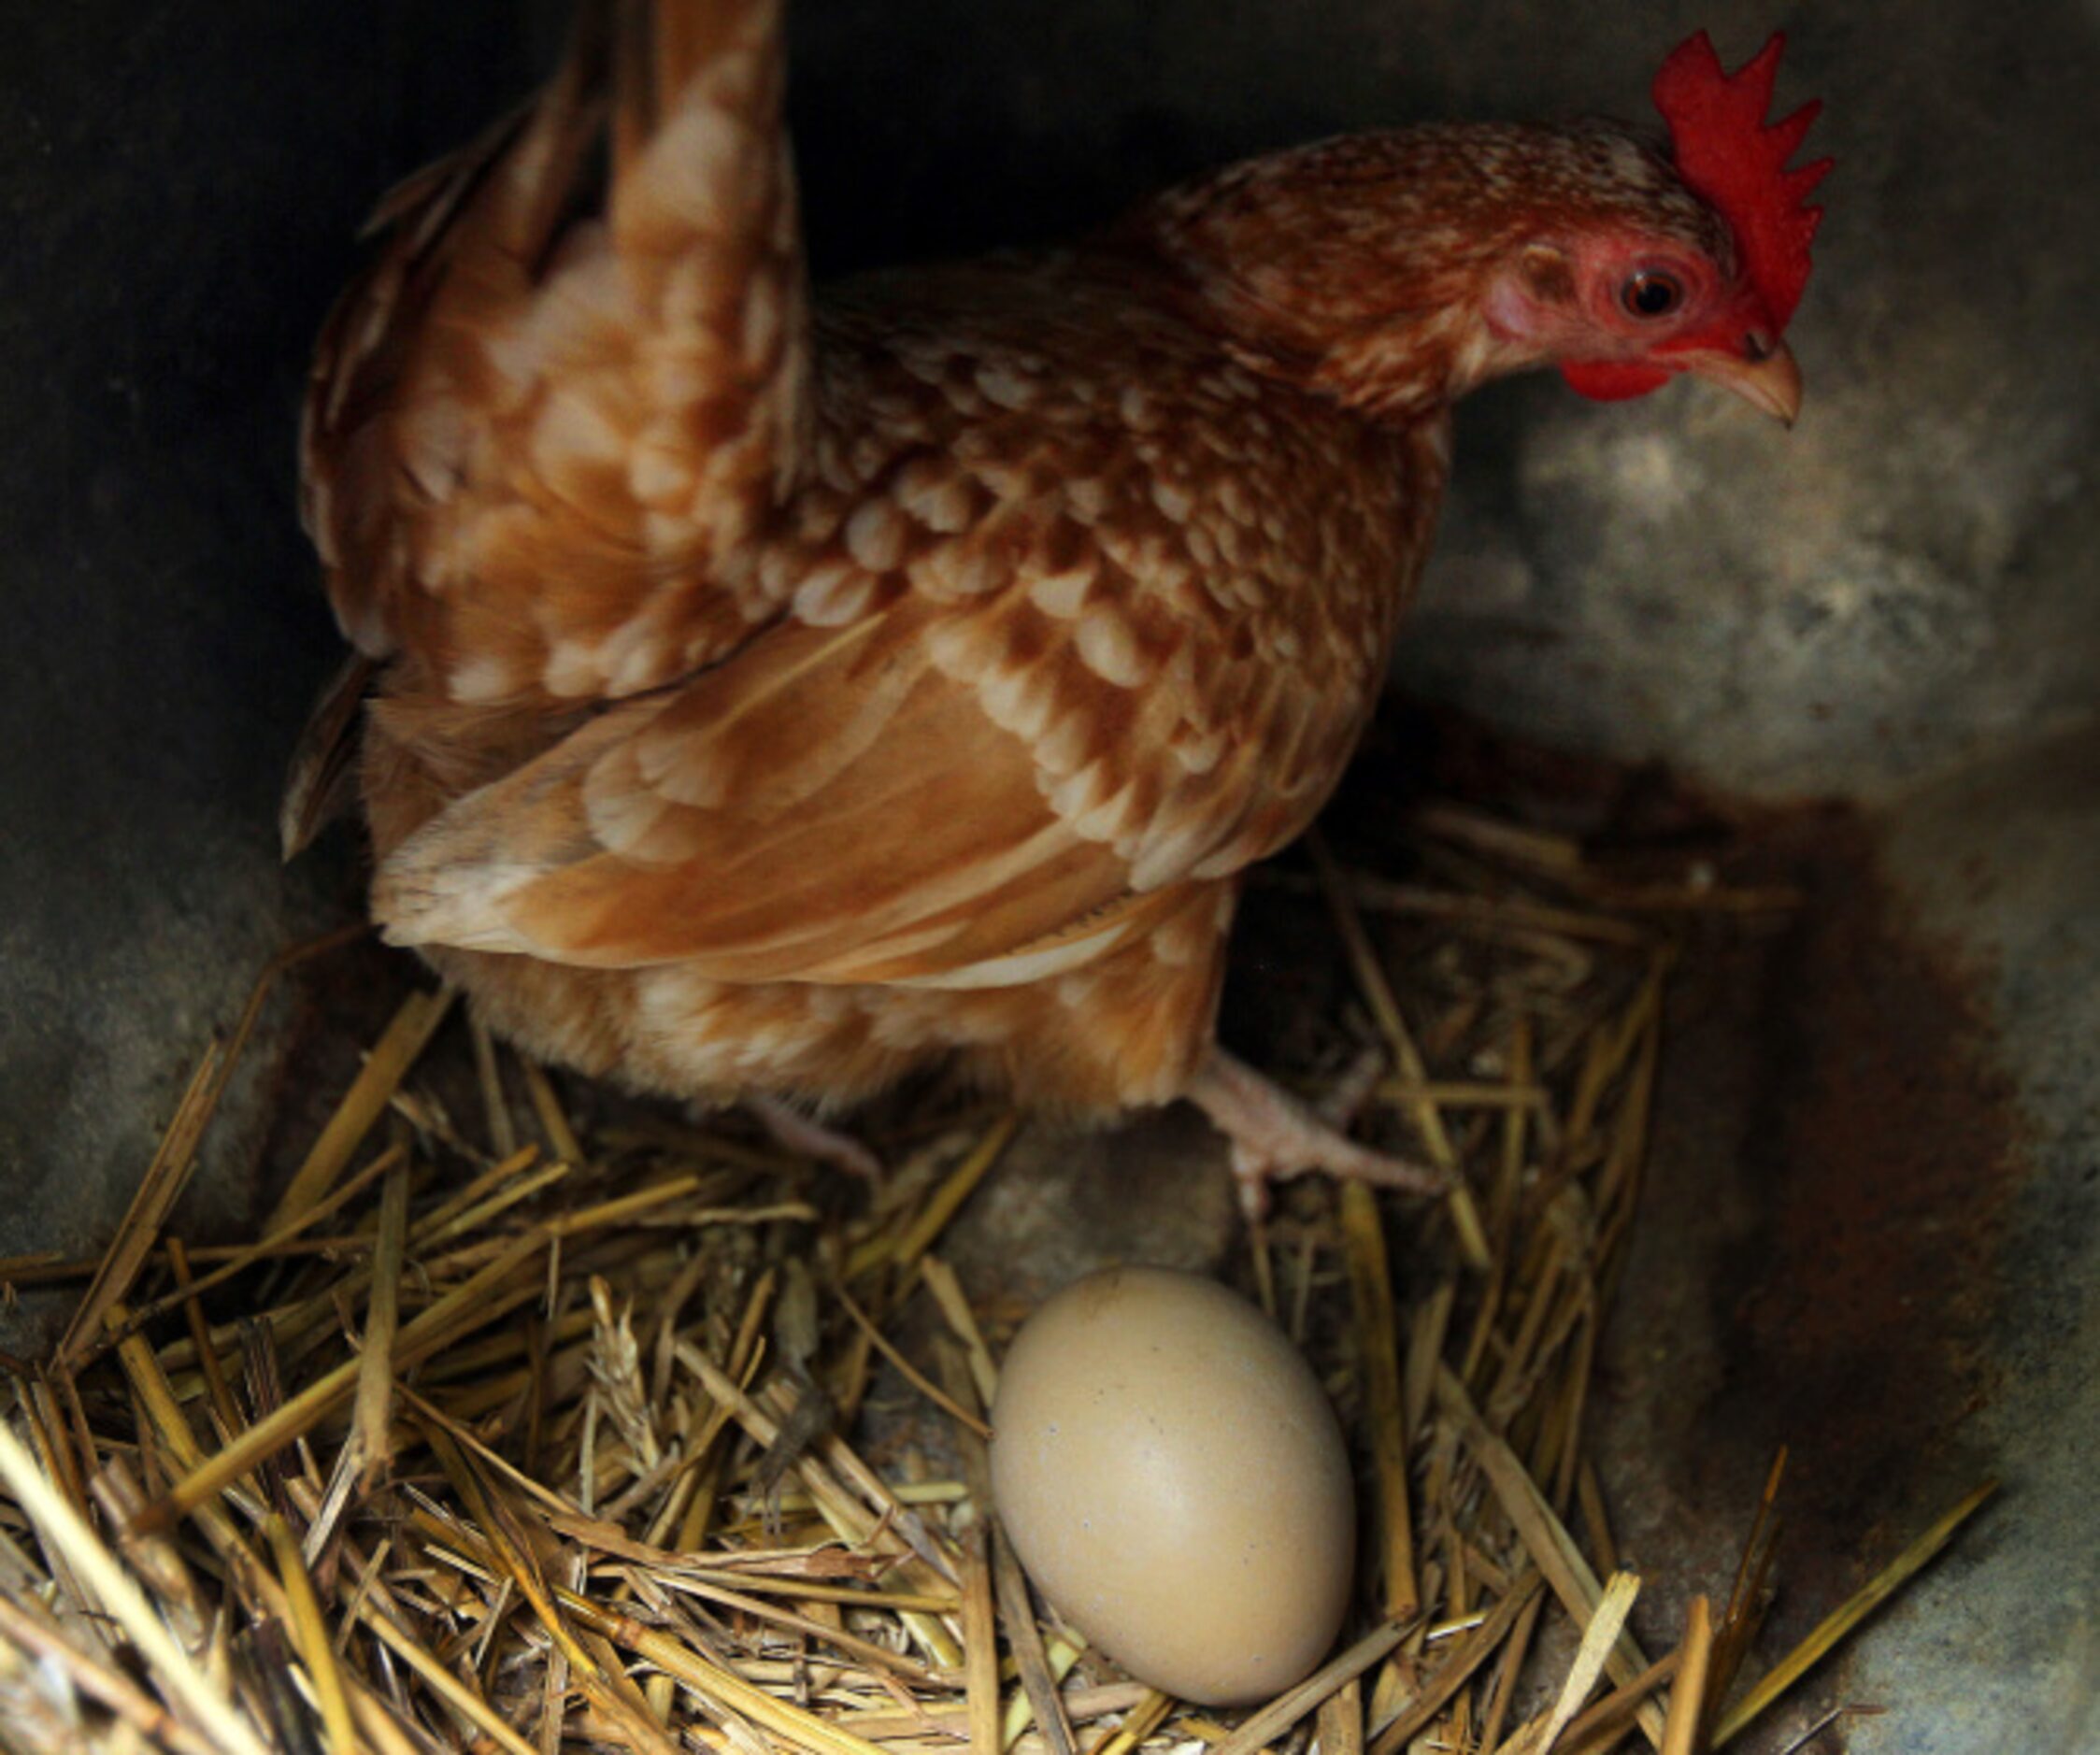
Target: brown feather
{"x": 534, "y": 427}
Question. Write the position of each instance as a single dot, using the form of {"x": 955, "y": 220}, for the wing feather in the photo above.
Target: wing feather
{"x": 1036, "y": 673}
{"x": 893, "y": 856}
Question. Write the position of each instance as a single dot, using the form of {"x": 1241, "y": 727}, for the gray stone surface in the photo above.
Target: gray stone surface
{"x": 1062, "y": 1205}
{"x": 2000, "y": 1647}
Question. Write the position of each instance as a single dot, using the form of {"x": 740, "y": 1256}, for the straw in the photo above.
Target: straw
{"x": 642, "y": 1436}
{"x": 211, "y": 1713}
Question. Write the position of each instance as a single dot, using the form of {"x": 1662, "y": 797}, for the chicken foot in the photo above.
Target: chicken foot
{"x": 1274, "y": 1137}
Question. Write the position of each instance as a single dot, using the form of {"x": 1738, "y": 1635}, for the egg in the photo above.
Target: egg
{"x": 1174, "y": 1481}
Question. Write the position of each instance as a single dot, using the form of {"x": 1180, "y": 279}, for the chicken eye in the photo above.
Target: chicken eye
{"x": 1650, "y": 292}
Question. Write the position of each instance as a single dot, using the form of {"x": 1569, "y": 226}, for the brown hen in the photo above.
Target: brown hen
{"x": 771, "y": 696}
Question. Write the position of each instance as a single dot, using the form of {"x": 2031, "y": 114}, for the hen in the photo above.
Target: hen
{"x": 770, "y": 696}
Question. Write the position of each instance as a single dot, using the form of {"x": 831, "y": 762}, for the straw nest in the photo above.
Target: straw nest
{"x": 501, "y": 1438}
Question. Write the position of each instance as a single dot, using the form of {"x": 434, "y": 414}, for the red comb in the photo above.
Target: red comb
{"x": 1729, "y": 158}
{"x": 1732, "y": 159}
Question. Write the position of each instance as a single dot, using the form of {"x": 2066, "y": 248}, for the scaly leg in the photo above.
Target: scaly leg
{"x": 1275, "y": 1136}
{"x": 808, "y": 1137}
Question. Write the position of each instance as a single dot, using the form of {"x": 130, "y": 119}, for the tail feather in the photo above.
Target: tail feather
{"x": 638, "y": 215}
{"x": 318, "y": 784}
{"x": 662, "y": 47}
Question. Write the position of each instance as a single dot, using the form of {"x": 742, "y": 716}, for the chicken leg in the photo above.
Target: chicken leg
{"x": 1275, "y": 1137}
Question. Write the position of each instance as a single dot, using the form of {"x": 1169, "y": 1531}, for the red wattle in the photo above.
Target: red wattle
{"x": 1613, "y": 381}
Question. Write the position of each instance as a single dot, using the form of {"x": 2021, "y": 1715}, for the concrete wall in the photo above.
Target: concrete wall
{"x": 180, "y": 185}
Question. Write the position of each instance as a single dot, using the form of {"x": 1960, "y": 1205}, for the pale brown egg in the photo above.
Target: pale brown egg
{"x": 1176, "y": 1483}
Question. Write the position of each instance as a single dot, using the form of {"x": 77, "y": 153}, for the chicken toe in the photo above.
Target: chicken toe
{"x": 1275, "y": 1137}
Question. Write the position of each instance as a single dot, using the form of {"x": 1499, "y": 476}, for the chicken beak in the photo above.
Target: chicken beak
{"x": 1769, "y": 381}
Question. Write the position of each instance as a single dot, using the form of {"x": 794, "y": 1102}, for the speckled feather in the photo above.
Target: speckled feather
{"x": 781, "y": 698}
